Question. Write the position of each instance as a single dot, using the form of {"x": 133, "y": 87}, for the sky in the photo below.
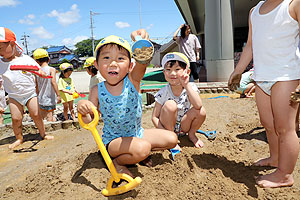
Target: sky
{"x": 66, "y": 22}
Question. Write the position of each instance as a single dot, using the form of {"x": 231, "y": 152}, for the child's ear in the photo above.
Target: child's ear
{"x": 130, "y": 67}
{"x": 96, "y": 65}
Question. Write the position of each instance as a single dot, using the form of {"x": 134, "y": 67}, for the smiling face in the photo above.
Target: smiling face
{"x": 67, "y": 74}
{"x": 7, "y": 50}
{"x": 173, "y": 71}
{"x": 113, "y": 63}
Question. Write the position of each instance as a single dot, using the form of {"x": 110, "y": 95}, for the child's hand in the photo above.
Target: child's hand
{"x": 141, "y": 32}
{"x": 295, "y": 96}
{"x": 58, "y": 99}
{"x": 234, "y": 81}
{"x": 184, "y": 78}
{"x": 84, "y": 107}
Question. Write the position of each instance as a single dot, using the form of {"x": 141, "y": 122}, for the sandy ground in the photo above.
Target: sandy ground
{"x": 70, "y": 168}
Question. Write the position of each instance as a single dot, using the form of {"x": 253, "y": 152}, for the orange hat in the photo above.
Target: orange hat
{"x": 7, "y": 35}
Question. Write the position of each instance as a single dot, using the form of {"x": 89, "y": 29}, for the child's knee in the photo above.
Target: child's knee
{"x": 170, "y": 106}
{"x": 143, "y": 150}
{"x": 17, "y": 119}
{"x": 199, "y": 113}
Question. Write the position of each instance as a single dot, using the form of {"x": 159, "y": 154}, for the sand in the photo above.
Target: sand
{"x": 70, "y": 168}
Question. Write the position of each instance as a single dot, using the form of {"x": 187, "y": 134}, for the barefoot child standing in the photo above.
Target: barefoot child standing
{"x": 172, "y": 110}
{"x": 273, "y": 44}
{"x": 19, "y": 85}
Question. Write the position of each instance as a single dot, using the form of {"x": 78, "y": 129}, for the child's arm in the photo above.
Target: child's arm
{"x": 246, "y": 57}
{"x": 84, "y": 107}
{"x": 137, "y": 73}
{"x": 192, "y": 94}
{"x": 54, "y": 84}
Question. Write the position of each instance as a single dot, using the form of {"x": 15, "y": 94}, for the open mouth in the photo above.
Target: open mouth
{"x": 113, "y": 73}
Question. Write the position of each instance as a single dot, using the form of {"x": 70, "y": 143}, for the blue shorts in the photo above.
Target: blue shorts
{"x": 48, "y": 108}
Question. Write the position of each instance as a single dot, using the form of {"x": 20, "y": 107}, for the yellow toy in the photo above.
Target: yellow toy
{"x": 116, "y": 177}
{"x": 75, "y": 95}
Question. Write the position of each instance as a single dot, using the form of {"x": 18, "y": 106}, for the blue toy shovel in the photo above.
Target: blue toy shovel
{"x": 211, "y": 135}
{"x": 174, "y": 152}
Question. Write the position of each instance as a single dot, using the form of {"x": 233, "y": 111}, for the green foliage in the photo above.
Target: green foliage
{"x": 84, "y": 48}
{"x": 65, "y": 61}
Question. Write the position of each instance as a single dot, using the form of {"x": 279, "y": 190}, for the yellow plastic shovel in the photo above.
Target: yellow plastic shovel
{"x": 116, "y": 177}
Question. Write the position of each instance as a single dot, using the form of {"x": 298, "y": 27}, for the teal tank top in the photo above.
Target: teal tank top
{"x": 122, "y": 115}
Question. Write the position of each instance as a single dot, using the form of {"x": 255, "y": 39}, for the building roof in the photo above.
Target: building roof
{"x": 58, "y": 49}
{"x": 68, "y": 57}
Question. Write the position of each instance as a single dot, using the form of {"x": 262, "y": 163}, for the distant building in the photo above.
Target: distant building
{"x": 59, "y": 53}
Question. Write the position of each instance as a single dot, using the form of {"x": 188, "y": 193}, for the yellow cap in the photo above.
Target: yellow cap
{"x": 40, "y": 53}
{"x": 65, "y": 66}
{"x": 175, "y": 56}
{"x": 116, "y": 40}
{"x": 89, "y": 62}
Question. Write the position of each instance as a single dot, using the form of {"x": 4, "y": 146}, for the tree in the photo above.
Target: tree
{"x": 84, "y": 48}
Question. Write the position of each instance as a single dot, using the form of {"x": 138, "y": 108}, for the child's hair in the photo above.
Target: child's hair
{"x": 172, "y": 62}
{"x": 93, "y": 69}
{"x": 112, "y": 45}
{"x": 183, "y": 29}
{"x": 42, "y": 60}
{"x": 65, "y": 71}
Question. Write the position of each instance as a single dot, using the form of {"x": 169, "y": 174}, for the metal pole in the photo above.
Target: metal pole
{"x": 25, "y": 42}
{"x": 93, "y": 45}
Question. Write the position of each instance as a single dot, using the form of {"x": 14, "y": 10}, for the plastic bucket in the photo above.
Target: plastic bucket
{"x": 143, "y": 51}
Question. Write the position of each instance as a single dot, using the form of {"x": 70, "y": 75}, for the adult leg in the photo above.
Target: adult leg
{"x": 284, "y": 113}
{"x": 16, "y": 110}
{"x": 194, "y": 71}
{"x": 263, "y": 102}
{"x": 34, "y": 111}
{"x": 191, "y": 122}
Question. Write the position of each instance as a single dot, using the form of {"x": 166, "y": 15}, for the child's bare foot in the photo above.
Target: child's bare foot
{"x": 15, "y": 144}
{"x": 266, "y": 162}
{"x": 275, "y": 179}
{"x": 122, "y": 169}
{"x": 147, "y": 162}
{"x": 197, "y": 142}
{"x": 48, "y": 137}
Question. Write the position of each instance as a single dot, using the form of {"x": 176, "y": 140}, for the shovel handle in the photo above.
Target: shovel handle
{"x": 92, "y": 127}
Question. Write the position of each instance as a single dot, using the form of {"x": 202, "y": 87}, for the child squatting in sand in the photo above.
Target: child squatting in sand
{"x": 119, "y": 101}
{"x": 172, "y": 110}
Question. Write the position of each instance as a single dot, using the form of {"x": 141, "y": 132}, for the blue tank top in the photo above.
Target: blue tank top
{"x": 122, "y": 115}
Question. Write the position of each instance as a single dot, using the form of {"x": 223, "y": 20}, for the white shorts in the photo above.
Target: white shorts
{"x": 24, "y": 99}
{"x": 266, "y": 86}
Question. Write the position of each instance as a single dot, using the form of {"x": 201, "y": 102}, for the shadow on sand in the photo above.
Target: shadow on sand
{"x": 238, "y": 172}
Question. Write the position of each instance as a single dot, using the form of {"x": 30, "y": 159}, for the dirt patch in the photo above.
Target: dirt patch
{"x": 70, "y": 168}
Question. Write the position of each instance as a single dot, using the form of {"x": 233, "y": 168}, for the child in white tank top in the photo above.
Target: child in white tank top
{"x": 273, "y": 44}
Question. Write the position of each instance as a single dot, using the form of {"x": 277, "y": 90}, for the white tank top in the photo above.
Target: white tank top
{"x": 275, "y": 39}
{"x": 47, "y": 95}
